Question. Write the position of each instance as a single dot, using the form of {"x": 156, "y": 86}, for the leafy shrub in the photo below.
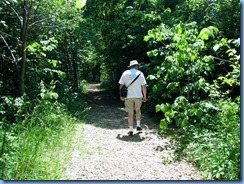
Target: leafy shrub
{"x": 75, "y": 102}
{"x": 217, "y": 150}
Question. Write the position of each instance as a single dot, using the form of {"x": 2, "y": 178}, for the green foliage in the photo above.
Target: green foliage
{"x": 222, "y": 14}
{"x": 185, "y": 71}
{"x": 181, "y": 67}
{"x": 196, "y": 97}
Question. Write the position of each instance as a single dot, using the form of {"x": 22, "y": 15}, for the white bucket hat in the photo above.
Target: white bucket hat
{"x": 133, "y": 62}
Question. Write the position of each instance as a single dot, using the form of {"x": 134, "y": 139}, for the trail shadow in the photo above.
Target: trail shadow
{"x": 100, "y": 97}
{"x": 135, "y": 138}
{"x": 107, "y": 111}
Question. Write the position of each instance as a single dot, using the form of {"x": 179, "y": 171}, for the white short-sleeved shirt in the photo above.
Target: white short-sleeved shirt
{"x": 135, "y": 89}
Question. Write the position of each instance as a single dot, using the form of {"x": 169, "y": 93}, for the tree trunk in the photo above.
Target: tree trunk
{"x": 23, "y": 37}
{"x": 74, "y": 60}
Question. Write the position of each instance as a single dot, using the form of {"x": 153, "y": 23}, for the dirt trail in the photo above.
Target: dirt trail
{"x": 112, "y": 155}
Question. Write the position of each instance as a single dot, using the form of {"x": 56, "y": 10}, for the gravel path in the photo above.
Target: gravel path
{"x": 112, "y": 155}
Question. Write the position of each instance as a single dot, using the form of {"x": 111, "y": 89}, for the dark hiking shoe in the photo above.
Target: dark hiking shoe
{"x": 139, "y": 129}
{"x": 130, "y": 133}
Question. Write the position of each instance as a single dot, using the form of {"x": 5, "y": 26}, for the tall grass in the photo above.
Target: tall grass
{"x": 37, "y": 148}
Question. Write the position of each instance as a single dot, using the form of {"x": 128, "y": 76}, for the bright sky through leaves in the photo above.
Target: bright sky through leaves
{"x": 80, "y": 3}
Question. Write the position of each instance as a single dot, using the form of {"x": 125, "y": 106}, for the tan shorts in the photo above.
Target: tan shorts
{"x": 132, "y": 104}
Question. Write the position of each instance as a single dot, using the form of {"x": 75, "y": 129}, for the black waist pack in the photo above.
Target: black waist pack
{"x": 123, "y": 92}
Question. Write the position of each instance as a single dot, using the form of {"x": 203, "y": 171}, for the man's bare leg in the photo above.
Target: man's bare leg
{"x": 138, "y": 119}
{"x": 130, "y": 120}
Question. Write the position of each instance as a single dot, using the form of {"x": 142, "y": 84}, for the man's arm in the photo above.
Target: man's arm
{"x": 120, "y": 87}
{"x": 144, "y": 91}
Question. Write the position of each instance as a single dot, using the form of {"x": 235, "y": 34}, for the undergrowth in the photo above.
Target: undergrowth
{"x": 36, "y": 145}
{"x": 213, "y": 144}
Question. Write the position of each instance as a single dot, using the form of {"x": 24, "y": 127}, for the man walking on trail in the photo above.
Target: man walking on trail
{"x": 137, "y": 93}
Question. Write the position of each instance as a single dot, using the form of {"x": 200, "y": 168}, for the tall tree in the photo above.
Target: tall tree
{"x": 23, "y": 11}
{"x": 22, "y": 41}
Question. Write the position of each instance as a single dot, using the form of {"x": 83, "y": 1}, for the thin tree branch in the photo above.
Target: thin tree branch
{"x": 12, "y": 55}
{"x": 14, "y": 60}
{"x": 222, "y": 59}
{"x": 38, "y": 22}
{"x": 8, "y": 35}
{"x": 15, "y": 12}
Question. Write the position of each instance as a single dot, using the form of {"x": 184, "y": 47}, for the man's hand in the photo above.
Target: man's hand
{"x": 144, "y": 99}
{"x": 122, "y": 98}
